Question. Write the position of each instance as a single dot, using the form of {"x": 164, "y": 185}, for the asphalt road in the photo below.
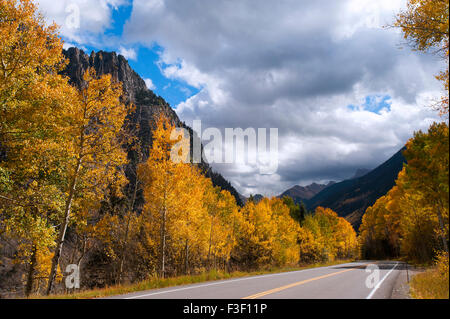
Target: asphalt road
{"x": 356, "y": 280}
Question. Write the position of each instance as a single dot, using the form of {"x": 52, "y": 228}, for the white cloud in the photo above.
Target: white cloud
{"x": 358, "y": 14}
{"x": 129, "y": 54}
{"x": 80, "y": 21}
{"x": 297, "y": 72}
{"x": 294, "y": 65}
{"x": 149, "y": 84}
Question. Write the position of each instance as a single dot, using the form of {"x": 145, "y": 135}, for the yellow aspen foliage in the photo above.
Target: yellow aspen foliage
{"x": 30, "y": 228}
{"x": 32, "y": 94}
{"x": 425, "y": 22}
{"x": 173, "y": 191}
{"x": 33, "y": 97}
{"x": 286, "y": 250}
{"x": 380, "y": 228}
{"x": 190, "y": 229}
{"x": 346, "y": 241}
{"x": 310, "y": 249}
{"x": 427, "y": 172}
{"x": 332, "y": 236}
{"x": 224, "y": 221}
{"x": 94, "y": 137}
{"x": 399, "y": 224}
{"x": 30, "y": 56}
{"x": 270, "y": 234}
{"x": 412, "y": 219}
{"x": 425, "y": 25}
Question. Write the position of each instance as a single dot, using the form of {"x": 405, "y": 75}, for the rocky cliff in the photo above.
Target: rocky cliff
{"x": 147, "y": 107}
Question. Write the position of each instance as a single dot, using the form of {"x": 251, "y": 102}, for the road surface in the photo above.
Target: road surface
{"x": 345, "y": 281}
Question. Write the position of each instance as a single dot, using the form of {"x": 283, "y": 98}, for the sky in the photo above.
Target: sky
{"x": 344, "y": 90}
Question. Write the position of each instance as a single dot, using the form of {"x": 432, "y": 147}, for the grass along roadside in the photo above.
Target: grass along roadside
{"x": 432, "y": 283}
{"x": 155, "y": 283}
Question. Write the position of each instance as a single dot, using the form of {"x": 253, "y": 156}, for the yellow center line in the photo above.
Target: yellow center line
{"x": 268, "y": 292}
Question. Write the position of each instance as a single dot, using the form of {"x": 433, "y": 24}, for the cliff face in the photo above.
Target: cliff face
{"x": 104, "y": 63}
{"x": 148, "y": 106}
{"x": 135, "y": 90}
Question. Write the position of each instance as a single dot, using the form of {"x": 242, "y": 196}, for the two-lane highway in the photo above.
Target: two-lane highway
{"x": 358, "y": 280}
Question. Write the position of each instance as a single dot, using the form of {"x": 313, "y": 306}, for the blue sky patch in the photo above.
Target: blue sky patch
{"x": 146, "y": 61}
{"x": 172, "y": 90}
{"x": 374, "y": 103}
{"x": 119, "y": 18}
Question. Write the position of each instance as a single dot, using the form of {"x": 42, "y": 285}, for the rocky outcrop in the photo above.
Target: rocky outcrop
{"x": 104, "y": 63}
{"x": 147, "y": 104}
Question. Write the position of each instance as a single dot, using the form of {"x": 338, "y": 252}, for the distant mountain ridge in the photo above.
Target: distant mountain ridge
{"x": 350, "y": 198}
{"x": 301, "y": 193}
{"x": 360, "y": 172}
{"x": 256, "y": 198}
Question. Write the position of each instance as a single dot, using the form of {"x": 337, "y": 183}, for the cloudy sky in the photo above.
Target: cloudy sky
{"x": 343, "y": 91}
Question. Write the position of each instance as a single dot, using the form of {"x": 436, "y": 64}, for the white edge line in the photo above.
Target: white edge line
{"x": 225, "y": 282}
{"x": 379, "y": 283}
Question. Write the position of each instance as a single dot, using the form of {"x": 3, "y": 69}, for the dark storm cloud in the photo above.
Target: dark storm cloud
{"x": 296, "y": 66}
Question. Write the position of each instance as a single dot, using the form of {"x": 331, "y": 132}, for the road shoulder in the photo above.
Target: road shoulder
{"x": 401, "y": 286}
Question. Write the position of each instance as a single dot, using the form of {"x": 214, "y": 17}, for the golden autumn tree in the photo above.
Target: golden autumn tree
{"x": 401, "y": 223}
{"x": 425, "y": 26}
{"x": 418, "y": 225}
{"x": 310, "y": 249}
{"x": 118, "y": 238}
{"x": 412, "y": 218}
{"x": 345, "y": 239}
{"x": 269, "y": 235}
{"x": 326, "y": 236}
{"x": 32, "y": 94}
{"x": 94, "y": 137}
{"x": 32, "y": 99}
{"x": 35, "y": 238}
{"x": 173, "y": 190}
{"x": 190, "y": 227}
{"x": 286, "y": 238}
{"x": 30, "y": 56}
{"x": 379, "y": 232}
{"x": 224, "y": 218}
{"x": 427, "y": 171}
{"x": 256, "y": 242}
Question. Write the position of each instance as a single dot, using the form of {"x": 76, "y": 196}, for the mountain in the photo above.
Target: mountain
{"x": 243, "y": 198}
{"x": 302, "y": 193}
{"x": 256, "y": 198}
{"x": 147, "y": 108}
{"x": 360, "y": 172}
{"x": 351, "y": 197}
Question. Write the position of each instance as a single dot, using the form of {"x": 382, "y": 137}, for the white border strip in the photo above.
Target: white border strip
{"x": 381, "y": 281}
